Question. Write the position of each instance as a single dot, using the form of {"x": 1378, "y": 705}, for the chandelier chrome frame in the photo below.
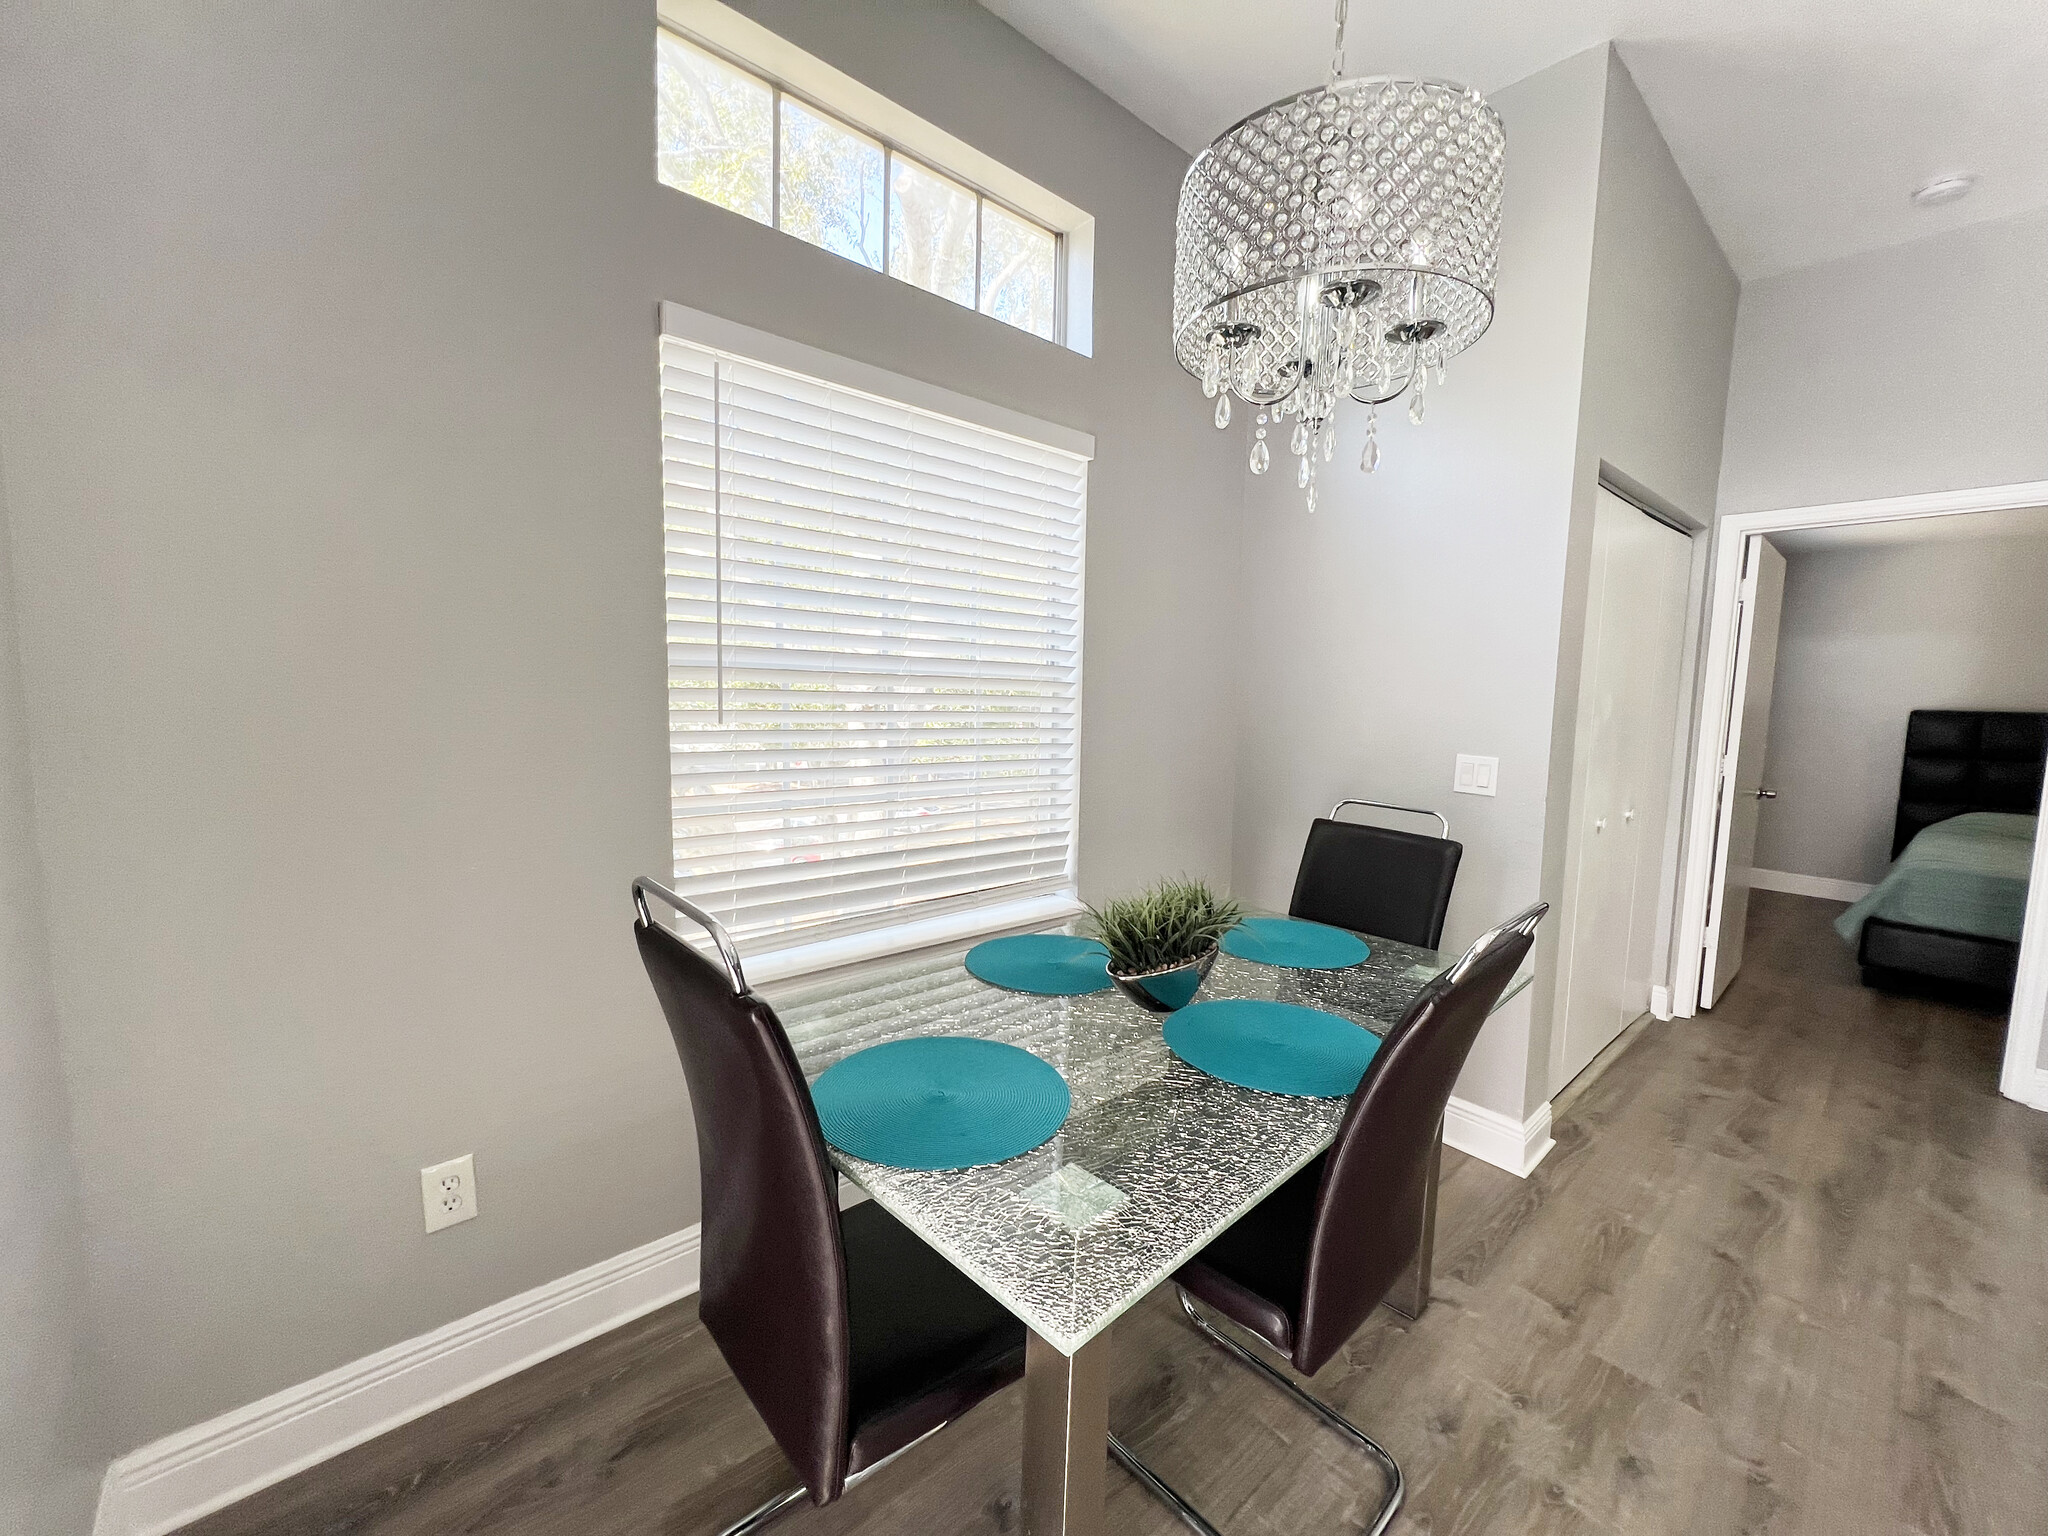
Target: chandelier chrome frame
{"x": 1338, "y": 244}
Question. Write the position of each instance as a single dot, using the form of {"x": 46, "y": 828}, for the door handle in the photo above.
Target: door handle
{"x": 1767, "y": 794}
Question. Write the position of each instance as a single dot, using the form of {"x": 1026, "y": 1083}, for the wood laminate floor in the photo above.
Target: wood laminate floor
{"x": 1786, "y": 1271}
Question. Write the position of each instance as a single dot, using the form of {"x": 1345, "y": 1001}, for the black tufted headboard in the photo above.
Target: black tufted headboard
{"x": 1961, "y": 760}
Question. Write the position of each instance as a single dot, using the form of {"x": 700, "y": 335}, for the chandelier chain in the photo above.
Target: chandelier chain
{"x": 1337, "y": 57}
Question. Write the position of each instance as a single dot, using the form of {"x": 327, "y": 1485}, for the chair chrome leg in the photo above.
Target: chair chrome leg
{"x": 1160, "y": 1488}
{"x": 782, "y": 1503}
{"x": 1389, "y": 1506}
{"x": 768, "y": 1513}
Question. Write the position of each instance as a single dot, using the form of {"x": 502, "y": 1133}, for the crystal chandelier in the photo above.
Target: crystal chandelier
{"x": 1340, "y": 243}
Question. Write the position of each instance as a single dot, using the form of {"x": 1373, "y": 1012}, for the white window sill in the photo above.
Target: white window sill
{"x": 904, "y": 938}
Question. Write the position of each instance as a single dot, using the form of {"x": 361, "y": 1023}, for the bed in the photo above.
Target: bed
{"x": 1950, "y": 908}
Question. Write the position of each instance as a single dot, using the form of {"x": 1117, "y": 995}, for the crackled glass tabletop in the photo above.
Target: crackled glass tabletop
{"x": 1156, "y": 1157}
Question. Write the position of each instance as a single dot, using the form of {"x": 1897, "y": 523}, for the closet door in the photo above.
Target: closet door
{"x": 1666, "y": 576}
{"x": 1622, "y": 765}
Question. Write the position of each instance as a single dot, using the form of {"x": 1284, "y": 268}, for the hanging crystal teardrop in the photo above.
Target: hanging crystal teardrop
{"x": 1298, "y": 444}
{"x": 1329, "y": 444}
{"x": 1222, "y": 411}
{"x": 1415, "y": 401}
{"x": 1301, "y": 471}
{"x": 1212, "y": 368}
{"x": 1311, "y": 497}
{"x": 1261, "y": 456}
{"x": 1370, "y": 459}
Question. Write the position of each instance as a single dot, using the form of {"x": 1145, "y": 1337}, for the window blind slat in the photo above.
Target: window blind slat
{"x": 871, "y": 904}
{"x": 873, "y": 621}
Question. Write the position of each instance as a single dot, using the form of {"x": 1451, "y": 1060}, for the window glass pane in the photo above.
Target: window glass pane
{"x": 831, "y": 185}
{"x": 1017, "y": 267}
{"x": 931, "y": 231}
{"x": 714, "y": 128}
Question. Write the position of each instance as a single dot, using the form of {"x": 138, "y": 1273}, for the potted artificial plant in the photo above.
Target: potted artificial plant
{"x": 1162, "y": 941}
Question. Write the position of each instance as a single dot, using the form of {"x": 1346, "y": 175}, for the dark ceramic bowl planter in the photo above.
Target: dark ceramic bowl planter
{"x": 1170, "y": 987}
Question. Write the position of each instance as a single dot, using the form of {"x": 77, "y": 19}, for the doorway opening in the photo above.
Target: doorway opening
{"x": 1731, "y": 803}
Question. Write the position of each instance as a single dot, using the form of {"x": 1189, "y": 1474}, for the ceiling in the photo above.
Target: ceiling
{"x": 2012, "y": 523}
{"x": 1801, "y": 125}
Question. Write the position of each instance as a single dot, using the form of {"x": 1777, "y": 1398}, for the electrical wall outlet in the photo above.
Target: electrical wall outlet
{"x": 448, "y": 1192}
{"x": 1476, "y": 775}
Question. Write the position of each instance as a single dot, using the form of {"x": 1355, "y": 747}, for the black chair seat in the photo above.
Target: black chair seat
{"x": 1254, "y": 1271}
{"x": 926, "y": 1342}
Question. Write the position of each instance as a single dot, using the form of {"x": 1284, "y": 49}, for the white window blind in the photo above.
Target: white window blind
{"x": 874, "y": 637}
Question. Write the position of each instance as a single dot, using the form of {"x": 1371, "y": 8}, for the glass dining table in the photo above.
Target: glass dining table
{"x": 1155, "y": 1159}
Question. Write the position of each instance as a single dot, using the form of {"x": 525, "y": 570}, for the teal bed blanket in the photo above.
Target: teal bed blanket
{"x": 1966, "y": 875}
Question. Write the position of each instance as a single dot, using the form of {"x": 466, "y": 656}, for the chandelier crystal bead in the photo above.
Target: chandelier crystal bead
{"x": 1339, "y": 244}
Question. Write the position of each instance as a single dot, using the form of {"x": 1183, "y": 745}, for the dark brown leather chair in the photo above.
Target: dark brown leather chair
{"x": 1304, "y": 1268}
{"x": 1377, "y": 880}
{"x": 850, "y": 1336}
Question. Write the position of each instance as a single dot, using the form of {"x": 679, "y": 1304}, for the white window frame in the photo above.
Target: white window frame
{"x": 786, "y": 68}
{"x": 1036, "y": 910}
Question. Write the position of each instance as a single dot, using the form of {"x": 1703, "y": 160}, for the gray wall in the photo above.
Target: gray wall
{"x": 327, "y": 391}
{"x": 1869, "y": 634}
{"x": 1660, "y": 330}
{"x": 1437, "y": 606}
{"x": 1838, "y": 393}
{"x": 48, "y": 1472}
{"x": 1415, "y": 614}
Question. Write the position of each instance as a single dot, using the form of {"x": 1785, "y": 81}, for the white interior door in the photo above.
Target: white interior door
{"x": 1623, "y": 757}
{"x": 1744, "y": 741}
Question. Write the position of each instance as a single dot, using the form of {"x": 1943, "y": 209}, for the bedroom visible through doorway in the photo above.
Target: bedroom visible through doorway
{"x": 1872, "y": 735}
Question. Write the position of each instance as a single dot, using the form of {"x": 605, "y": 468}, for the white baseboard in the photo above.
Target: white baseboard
{"x": 2030, "y": 1089}
{"x": 1660, "y": 1002}
{"x": 1809, "y": 885}
{"x": 1502, "y": 1140}
{"x": 183, "y": 1476}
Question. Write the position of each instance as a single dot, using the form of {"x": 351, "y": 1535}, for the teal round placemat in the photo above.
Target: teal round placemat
{"x": 940, "y": 1101}
{"x": 1273, "y": 1047}
{"x": 1050, "y": 964}
{"x": 1298, "y": 945}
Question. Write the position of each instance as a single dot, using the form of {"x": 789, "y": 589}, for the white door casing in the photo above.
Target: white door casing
{"x": 1745, "y": 740}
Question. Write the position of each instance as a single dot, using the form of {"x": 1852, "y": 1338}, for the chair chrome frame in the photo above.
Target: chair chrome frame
{"x": 1387, "y": 805}
{"x": 770, "y": 1512}
{"x": 1523, "y": 922}
{"x": 783, "y": 1503}
{"x": 1390, "y": 1504}
{"x": 645, "y": 886}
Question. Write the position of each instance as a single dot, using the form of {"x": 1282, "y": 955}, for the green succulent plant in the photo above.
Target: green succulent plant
{"x": 1168, "y": 924}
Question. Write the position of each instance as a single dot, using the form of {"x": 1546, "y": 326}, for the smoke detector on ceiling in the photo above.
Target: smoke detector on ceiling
{"x": 1943, "y": 189}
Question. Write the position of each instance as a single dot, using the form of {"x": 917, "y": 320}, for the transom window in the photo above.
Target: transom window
{"x": 874, "y": 644}
{"x": 745, "y": 141}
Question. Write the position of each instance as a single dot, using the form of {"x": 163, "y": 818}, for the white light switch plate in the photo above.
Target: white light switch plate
{"x": 448, "y": 1192}
{"x": 1476, "y": 775}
